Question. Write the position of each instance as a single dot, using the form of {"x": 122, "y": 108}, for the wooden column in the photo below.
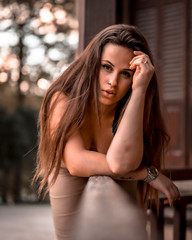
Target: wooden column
{"x": 93, "y": 16}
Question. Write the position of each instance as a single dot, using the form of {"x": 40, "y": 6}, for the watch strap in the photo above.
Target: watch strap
{"x": 151, "y": 175}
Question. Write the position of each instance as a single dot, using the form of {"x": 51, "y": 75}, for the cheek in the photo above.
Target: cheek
{"x": 100, "y": 78}
{"x": 125, "y": 87}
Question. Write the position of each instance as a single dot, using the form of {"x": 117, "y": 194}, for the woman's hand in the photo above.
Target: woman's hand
{"x": 144, "y": 71}
{"x": 167, "y": 187}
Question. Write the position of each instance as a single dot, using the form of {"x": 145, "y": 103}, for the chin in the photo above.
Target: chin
{"x": 107, "y": 102}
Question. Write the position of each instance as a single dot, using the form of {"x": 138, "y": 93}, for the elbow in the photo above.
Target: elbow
{"x": 72, "y": 172}
{"x": 77, "y": 172}
{"x": 71, "y": 169}
{"x": 121, "y": 168}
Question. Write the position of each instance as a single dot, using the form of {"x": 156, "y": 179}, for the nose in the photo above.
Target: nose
{"x": 113, "y": 79}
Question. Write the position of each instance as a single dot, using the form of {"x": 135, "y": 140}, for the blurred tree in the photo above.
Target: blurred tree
{"x": 18, "y": 133}
{"x": 39, "y": 41}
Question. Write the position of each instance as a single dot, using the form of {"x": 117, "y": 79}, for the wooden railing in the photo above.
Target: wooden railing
{"x": 108, "y": 213}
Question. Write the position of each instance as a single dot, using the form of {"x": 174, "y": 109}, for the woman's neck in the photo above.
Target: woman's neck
{"x": 107, "y": 111}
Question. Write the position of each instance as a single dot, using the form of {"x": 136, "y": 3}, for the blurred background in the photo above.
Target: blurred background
{"x": 38, "y": 41}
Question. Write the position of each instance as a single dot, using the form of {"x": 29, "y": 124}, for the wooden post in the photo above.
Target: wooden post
{"x": 107, "y": 212}
{"x": 157, "y": 223}
{"x": 93, "y": 16}
{"x": 179, "y": 222}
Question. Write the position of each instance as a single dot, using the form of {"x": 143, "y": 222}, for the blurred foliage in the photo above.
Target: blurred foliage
{"x": 18, "y": 138}
{"x": 38, "y": 41}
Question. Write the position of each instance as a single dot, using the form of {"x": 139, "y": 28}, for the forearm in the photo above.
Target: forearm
{"x": 139, "y": 174}
{"x": 95, "y": 163}
{"x": 126, "y": 150}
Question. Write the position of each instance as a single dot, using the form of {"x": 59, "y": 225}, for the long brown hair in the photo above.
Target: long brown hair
{"x": 80, "y": 84}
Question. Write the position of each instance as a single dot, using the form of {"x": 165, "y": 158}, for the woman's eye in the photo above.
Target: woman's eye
{"x": 126, "y": 74}
{"x": 107, "y": 67}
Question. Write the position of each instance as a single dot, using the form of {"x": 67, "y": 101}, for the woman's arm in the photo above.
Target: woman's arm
{"x": 85, "y": 163}
{"x": 161, "y": 183}
{"x": 126, "y": 150}
{"x": 167, "y": 187}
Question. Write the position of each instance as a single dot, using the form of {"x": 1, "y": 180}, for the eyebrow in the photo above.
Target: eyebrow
{"x": 125, "y": 69}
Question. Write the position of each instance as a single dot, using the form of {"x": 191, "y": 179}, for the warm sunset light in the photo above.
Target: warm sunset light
{"x": 3, "y": 77}
{"x": 36, "y": 45}
{"x": 24, "y": 86}
{"x": 45, "y": 15}
{"x": 43, "y": 83}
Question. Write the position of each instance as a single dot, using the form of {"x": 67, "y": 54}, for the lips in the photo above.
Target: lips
{"x": 109, "y": 91}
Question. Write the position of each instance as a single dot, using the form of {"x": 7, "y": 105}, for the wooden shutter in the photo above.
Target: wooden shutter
{"x": 189, "y": 29}
{"x": 173, "y": 82}
{"x": 146, "y": 20}
{"x": 163, "y": 23}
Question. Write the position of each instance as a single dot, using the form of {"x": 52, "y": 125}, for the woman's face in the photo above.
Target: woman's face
{"x": 115, "y": 77}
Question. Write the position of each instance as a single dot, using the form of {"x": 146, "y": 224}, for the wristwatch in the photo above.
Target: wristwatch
{"x": 152, "y": 173}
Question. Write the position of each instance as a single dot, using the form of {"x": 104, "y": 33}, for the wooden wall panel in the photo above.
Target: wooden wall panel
{"x": 174, "y": 122}
{"x": 146, "y": 20}
{"x": 173, "y": 82}
{"x": 94, "y": 15}
{"x": 173, "y": 51}
{"x": 163, "y": 23}
{"x": 189, "y": 30}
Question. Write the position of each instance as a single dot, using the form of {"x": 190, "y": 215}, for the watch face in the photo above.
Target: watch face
{"x": 153, "y": 171}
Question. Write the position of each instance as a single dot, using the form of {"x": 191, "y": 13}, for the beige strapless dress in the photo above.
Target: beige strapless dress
{"x": 64, "y": 198}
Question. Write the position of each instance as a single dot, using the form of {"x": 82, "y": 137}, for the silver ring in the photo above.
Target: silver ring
{"x": 145, "y": 62}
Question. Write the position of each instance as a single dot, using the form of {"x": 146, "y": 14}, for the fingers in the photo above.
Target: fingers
{"x": 172, "y": 193}
{"x": 141, "y": 59}
{"x": 144, "y": 70}
{"x": 167, "y": 187}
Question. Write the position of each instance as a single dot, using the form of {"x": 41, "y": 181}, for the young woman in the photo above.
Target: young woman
{"x": 102, "y": 117}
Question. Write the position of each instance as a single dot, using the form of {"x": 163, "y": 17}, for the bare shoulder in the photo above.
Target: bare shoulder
{"x": 58, "y": 100}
